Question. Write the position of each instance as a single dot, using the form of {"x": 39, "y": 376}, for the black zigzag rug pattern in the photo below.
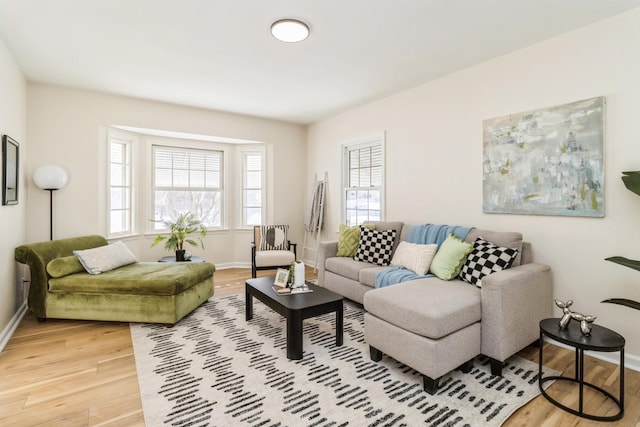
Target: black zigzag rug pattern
{"x": 214, "y": 368}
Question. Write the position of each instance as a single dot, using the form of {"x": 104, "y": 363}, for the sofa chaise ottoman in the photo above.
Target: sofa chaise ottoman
{"x": 150, "y": 292}
{"x": 436, "y": 325}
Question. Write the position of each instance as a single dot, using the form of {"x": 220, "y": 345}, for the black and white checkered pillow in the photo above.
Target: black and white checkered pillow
{"x": 375, "y": 246}
{"x": 484, "y": 259}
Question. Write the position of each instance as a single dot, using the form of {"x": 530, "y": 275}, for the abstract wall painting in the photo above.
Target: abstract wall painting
{"x": 546, "y": 162}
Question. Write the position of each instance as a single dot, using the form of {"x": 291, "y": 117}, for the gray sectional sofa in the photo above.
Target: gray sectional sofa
{"x": 436, "y": 326}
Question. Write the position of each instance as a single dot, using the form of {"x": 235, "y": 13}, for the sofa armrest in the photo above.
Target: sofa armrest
{"x": 326, "y": 250}
{"x": 38, "y": 255}
{"x": 513, "y": 303}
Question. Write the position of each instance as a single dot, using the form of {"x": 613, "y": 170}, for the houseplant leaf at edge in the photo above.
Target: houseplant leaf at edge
{"x": 631, "y": 180}
{"x": 625, "y": 261}
{"x": 624, "y": 301}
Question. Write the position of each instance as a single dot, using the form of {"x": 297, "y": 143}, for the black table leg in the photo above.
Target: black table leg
{"x": 339, "y": 325}
{"x": 581, "y": 381}
{"x": 621, "y": 382}
{"x": 294, "y": 335}
{"x": 540, "y": 362}
{"x": 248, "y": 305}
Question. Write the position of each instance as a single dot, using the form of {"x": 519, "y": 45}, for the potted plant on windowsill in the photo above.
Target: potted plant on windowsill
{"x": 180, "y": 229}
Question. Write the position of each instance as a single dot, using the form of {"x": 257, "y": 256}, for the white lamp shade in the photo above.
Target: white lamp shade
{"x": 50, "y": 177}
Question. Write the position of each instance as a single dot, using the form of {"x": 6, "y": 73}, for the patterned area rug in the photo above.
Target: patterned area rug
{"x": 215, "y": 369}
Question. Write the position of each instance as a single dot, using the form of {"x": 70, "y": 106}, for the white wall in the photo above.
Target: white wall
{"x": 66, "y": 126}
{"x": 434, "y": 157}
{"x": 13, "y": 122}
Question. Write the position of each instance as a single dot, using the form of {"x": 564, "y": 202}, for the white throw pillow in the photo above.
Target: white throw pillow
{"x": 105, "y": 258}
{"x": 413, "y": 256}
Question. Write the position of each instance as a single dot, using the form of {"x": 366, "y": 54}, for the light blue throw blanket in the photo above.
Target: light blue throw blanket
{"x": 425, "y": 234}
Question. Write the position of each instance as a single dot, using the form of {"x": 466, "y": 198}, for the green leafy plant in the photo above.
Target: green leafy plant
{"x": 632, "y": 182}
{"x": 180, "y": 229}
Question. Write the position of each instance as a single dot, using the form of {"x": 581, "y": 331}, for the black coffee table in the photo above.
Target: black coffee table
{"x": 601, "y": 339}
{"x": 295, "y": 308}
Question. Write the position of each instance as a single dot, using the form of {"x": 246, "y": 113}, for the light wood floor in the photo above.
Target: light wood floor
{"x": 82, "y": 373}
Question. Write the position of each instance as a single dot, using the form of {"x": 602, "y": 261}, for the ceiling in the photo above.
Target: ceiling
{"x": 220, "y": 55}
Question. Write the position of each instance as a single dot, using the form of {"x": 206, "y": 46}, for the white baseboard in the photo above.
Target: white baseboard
{"x": 6, "y": 334}
{"x": 226, "y": 265}
{"x": 631, "y": 361}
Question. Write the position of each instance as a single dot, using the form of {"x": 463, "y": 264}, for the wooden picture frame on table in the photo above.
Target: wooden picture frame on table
{"x": 10, "y": 166}
{"x": 282, "y": 276}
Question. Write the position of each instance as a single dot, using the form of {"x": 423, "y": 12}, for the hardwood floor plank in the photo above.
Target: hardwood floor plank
{"x": 82, "y": 373}
{"x": 12, "y": 403}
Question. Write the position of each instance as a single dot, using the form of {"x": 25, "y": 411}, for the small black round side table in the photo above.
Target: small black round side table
{"x": 173, "y": 259}
{"x": 601, "y": 339}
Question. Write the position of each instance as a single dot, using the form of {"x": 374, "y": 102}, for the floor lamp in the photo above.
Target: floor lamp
{"x": 50, "y": 178}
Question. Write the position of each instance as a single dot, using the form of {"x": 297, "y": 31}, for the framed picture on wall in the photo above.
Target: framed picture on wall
{"x": 10, "y": 163}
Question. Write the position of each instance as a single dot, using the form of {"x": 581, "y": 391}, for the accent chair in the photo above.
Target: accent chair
{"x": 271, "y": 249}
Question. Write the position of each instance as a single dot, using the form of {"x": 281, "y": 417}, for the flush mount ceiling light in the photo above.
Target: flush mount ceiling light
{"x": 290, "y": 30}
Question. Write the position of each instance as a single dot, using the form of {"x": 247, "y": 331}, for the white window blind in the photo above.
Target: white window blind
{"x": 363, "y": 182}
{"x": 187, "y": 180}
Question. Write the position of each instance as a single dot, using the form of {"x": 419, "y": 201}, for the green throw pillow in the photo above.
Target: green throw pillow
{"x": 63, "y": 266}
{"x": 450, "y": 257}
{"x": 349, "y": 238}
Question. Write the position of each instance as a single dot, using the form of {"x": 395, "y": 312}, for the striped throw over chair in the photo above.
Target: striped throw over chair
{"x": 271, "y": 248}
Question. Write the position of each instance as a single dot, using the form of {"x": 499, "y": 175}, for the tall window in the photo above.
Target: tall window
{"x": 363, "y": 179}
{"x": 120, "y": 185}
{"x": 187, "y": 180}
{"x": 252, "y": 187}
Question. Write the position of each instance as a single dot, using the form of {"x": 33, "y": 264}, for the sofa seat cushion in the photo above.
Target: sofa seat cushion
{"x": 429, "y": 307}
{"x": 274, "y": 257}
{"x": 368, "y": 275}
{"x": 142, "y": 278}
{"x": 346, "y": 267}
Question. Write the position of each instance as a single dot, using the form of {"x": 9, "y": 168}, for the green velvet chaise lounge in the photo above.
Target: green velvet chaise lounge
{"x": 149, "y": 292}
